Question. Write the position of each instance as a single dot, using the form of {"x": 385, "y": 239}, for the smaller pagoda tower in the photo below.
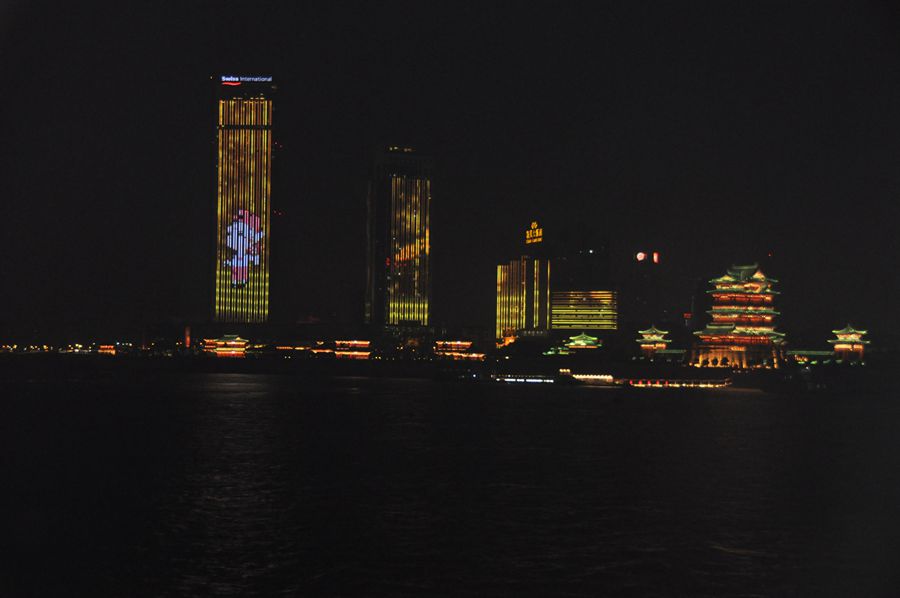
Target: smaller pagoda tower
{"x": 652, "y": 340}
{"x": 849, "y": 344}
{"x": 584, "y": 341}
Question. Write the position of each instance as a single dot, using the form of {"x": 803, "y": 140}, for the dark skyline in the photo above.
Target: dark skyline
{"x": 714, "y": 132}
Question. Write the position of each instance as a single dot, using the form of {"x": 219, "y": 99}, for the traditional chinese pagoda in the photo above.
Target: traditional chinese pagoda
{"x": 652, "y": 340}
{"x": 849, "y": 344}
{"x": 230, "y": 345}
{"x": 576, "y": 343}
{"x": 741, "y": 332}
{"x": 584, "y": 341}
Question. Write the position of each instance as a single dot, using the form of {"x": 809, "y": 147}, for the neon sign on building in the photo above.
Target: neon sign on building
{"x": 243, "y": 208}
{"x": 534, "y": 234}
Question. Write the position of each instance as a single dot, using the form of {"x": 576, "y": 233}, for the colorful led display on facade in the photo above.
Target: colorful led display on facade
{"x": 243, "y": 208}
{"x": 398, "y": 287}
{"x": 408, "y": 286}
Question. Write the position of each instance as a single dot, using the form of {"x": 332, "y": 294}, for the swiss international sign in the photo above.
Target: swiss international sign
{"x": 246, "y": 79}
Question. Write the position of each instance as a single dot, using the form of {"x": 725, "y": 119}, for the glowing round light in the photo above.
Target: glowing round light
{"x": 640, "y": 256}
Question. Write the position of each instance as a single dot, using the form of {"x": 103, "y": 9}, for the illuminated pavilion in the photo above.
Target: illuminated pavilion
{"x": 579, "y": 342}
{"x": 741, "y": 333}
{"x": 230, "y": 345}
{"x": 849, "y": 344}
{"x": 652, "y": 340}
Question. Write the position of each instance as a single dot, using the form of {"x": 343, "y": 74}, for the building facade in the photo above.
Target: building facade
{"x": 582, "y": 297}
{"x": 398, "y": 277}
{"x": 243, "y": 194}
{"x": 523, "y": 297}
{"x": 584, "y": 310}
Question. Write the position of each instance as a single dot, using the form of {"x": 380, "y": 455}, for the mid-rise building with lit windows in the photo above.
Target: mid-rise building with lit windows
{"x": 584, "y": 310}
{"x": 398, "y": 285}
{"x": 243, "y": 192}
{"x": 582, "y": 297}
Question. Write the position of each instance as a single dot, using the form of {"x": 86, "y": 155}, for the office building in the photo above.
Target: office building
{"x": 583, "y": 310}
{"x": 243, "y": 193}
{"x": 523, "y": 297}
{"x": 398, "y": 280}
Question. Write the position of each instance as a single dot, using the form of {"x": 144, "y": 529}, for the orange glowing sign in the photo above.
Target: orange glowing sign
{"x": 535, "y": 234}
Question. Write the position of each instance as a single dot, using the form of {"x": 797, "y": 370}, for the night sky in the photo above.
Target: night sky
{"x": 714, "y": 133}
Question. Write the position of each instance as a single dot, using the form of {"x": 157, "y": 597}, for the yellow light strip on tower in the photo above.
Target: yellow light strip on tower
{"x": 243, "y": 210}
{"x": 407, "y": 292}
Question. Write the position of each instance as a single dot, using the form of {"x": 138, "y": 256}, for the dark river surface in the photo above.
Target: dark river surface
{"x": 255, "y": 485}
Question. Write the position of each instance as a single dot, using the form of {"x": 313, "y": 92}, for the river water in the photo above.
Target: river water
{"x": 254, "y": 485}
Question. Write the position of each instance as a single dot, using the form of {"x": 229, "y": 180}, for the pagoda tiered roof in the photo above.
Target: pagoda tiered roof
{"x": 741, "y": 290}
{"x": 743, "y": 280}
{"x": 730, "y": 329}
{"x": 653, "y": 335}
{"x": 653, "y": 331}
{"x": 749, "y": 309}
{"x": 848, "y": 329}
{"x": 849, "y": 334}
{"x": 583, "y": 341}
{"x": 747, "y": 273}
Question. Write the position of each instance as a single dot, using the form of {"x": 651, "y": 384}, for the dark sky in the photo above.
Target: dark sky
{"x": 714, "y": 132}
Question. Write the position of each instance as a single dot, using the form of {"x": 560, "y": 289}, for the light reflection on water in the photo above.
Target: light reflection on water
{"x": 239, "y": 485}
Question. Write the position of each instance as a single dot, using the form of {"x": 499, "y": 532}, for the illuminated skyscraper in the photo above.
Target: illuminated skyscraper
{"x": 523, "y": 296}
{"x": 244, "y": 174}
{"x": 582, "y": 297}
{"x": 398, "y": 286}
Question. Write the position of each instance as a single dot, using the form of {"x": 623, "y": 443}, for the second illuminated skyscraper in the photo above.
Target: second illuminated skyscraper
{"x": 398, "y": 285}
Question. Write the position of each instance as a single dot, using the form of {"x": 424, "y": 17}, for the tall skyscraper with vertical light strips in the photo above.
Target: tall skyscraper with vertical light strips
{"x": 398, "y": 289}
{"x": 243, "y": 192}
{"x": 523, "y": 296}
